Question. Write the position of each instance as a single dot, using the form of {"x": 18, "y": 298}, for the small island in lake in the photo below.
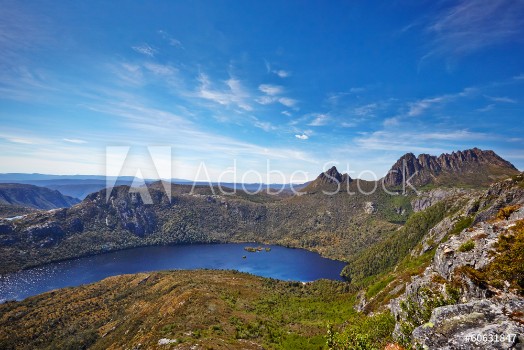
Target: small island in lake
{"x": 256, "y": 249}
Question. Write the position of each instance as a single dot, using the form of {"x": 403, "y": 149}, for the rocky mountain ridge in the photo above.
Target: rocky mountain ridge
{"x": 468, "y": 167}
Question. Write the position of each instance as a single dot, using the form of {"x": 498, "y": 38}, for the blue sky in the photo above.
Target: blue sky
{"x": 298, "y": 83}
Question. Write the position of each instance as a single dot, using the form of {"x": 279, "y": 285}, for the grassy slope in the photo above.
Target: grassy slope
{"x": 215, "y": 309}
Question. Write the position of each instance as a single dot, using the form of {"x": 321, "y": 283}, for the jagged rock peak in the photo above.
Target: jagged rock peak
{"x": 471, "y": 165}
{"x": 332, "y": 176}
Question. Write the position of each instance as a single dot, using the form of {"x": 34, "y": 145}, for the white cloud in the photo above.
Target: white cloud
{"x": 266, "y": 126}
{"x": 266, "y": 100}
{"x": 145, "y": 49}
{"x": 415, "y": 141}
{"x": 472, "y": 25}
{"x": 487, "y": 108}
{"x": 320, "y": 120}
{"x": 502, "y": 99}
{"x": 286, "y": 113}
{"x": 282, "y": 73}
{"x": 20, "y": 140}
{"x": 160, "y": 69}
{"x": 77, "y": 141}
{"x": 271, "y": 90}
{"x": 128, "y": 73}
{"x": 172, "y": 41}
{"x": 391, "y": 121}
{"x": 302, "y": 136}
{"x": 419, "y": 107}
{"x": 235, "y": 94}
{"x": 366, "y": 110}
{"x": 288, "y": 102}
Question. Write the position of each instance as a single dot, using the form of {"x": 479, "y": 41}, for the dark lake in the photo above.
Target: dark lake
{"x": 280, "y": 262}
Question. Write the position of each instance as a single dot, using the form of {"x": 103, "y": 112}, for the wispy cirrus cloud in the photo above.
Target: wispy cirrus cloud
{"x": 233, "y": 93}
{"x": 433, "y": 142}
{"x": 486, "y": 109}
{"x": 170, "y": 39}
{"x": 472, "y": 25}
{"x": 145, "y": 49}
{"x": 288, "y": 102}
{"x": 271, "y": 90}
{"x": 264, "y": 125}
{"x": 319, "y": 120}
{"x": 76, "y": 141}
{"x": 419, "y": 107}
{"x": 273, "y": 93}
{"x": 279, "y": 72}
{"x": 160, "y": 69}
{"x": 501, "y": 99}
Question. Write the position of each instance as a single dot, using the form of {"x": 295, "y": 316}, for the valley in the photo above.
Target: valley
{"x": 389, "y": 242}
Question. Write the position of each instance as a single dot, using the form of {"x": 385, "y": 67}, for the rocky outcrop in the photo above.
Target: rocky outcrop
{"x": 370, "y": 208}
{"x": 464, "y": 312}
{"x": 329, "y": 178}
{"x": 495, "y": 323}
{"x": 473, "y": 166}
{"x": 425, "y": 200}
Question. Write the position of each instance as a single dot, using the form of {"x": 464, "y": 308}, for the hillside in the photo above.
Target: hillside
{"x": 183, "y": 310}
{"x": 336, "y": 226}
{"x": 462, "y": 277}
{"x": 35, "y": 197}
{"x": 469, "y": 168}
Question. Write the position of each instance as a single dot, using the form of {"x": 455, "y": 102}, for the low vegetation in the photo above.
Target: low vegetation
{"x": 212, "y": 309}
{"x": 384, "y": 255}
{"x": 467, "y": 246}
{"x": 506, "y": 270}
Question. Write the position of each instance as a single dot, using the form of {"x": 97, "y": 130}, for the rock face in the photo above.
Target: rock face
{"x": 473, "y": 166}
{"x": 479, "y": 324}
{"x": 427, "y": 199}
{"x": 463, "y": 312}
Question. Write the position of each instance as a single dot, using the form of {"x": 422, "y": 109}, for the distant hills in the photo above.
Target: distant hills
{"x": 79, "y": 186}
{"x": 34, "y": 197}
{"x": 473, "y": 167}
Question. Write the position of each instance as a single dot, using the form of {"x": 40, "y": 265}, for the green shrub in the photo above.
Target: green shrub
{"x": 467, "y": 246}
{"x": 367, "y": 333}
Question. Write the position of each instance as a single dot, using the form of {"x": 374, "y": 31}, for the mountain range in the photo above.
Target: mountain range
{"x": 472, "y": 167}
{"x": 419, "y": 264}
